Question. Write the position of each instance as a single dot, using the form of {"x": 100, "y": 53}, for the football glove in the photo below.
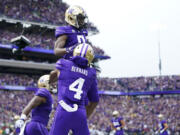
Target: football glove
{"x": 161, "y": 131}
{"x": 19, "y": 123}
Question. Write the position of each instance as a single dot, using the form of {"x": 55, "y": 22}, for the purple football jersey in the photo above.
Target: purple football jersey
{"x": 76, "y": 84}
{"x": 161, "y": 126}
{"x": 41, "y": 113}
{"x": 116, "y": 121}
{"x": 74, "y": 36}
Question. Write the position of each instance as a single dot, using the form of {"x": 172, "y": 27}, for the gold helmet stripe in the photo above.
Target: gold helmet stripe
{"x": 84, "y": 50}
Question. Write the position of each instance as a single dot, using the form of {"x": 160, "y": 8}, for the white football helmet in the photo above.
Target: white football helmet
{"x": 43, "y": 82}
{"x": 115, "y": 113}
{"x": 160, "y": 116}
{"x": 76, "y": 16}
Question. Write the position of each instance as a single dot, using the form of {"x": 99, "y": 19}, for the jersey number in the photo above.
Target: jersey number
{"x": 76, "y": 86}
{"x": 81, "y": 39}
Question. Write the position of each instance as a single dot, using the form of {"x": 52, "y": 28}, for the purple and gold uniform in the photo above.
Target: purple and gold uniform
{"x": 116, "y": 122}
{"x": 76, "y": 82}
{"x": 162, "y": 127}
{"x": 74, "y": 36}
{"x": 40, "y": 115}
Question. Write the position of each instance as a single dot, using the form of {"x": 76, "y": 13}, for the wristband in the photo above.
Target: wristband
{"x": 23, "y": 116}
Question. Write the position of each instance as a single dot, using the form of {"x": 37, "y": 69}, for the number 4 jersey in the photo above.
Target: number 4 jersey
{"x": 74, "y": 36}
{"x": 76, "y": 84}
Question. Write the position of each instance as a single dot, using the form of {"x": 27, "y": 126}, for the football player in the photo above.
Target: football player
{"x": 76, "y": 82}
{"x": 41, "y": 106}
{"x": 117, "y": 123}
{"x": 162, "y": 126}
{"x": 67, "y": 37}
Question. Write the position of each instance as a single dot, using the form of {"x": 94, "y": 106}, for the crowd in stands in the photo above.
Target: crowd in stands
{"x": 18, "y": 80}
{"x": 140, "y": 83}
{"x": 46, "y": 11}
{"x": 39, "y": 40}
{"x": 41, "y": 11}
{"x": 140, "y": 114}
{"x": 116, "y": 84}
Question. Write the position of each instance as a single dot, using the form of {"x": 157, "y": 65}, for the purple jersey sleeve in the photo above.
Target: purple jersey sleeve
{"x": 63, "y": 30}
{"x": 120, "y": 118}
{"x": 93, "y": 92}
{"x": 59, "y": 64}
{"x": 42, "y": 92}
{"x": 62, "y": 64}
{"x": 163, "y": 121}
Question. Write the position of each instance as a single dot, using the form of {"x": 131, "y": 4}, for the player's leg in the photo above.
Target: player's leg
{"x": 35, "y": 128}
{"x": 60, "y": 124}
{"x": 119, "y": 132}
{"x": 80, "y": 126}
{"x": 164, "y": 133}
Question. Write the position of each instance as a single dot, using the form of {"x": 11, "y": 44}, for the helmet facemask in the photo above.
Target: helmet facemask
{"x": 81, "y": 20}
{"x": 76, "y": 17}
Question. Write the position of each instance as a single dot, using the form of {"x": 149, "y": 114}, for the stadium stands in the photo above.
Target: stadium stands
{"x": 118, "y": 84}
{"x": 47, "y": 12}
{"x": 38, "y": 41}
{"x": 140, "y": 114}
{"x": 34, "y": 10}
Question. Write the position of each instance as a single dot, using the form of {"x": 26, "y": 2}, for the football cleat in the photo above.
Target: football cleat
{"x": 84, "y": 50}
{"x": 76, "y": 16}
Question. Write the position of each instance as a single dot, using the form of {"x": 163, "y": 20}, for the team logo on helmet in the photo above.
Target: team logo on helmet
{"x": 84, "y": 50}
{"x": 76, "y": 16}
{"x": 43, "y": 82}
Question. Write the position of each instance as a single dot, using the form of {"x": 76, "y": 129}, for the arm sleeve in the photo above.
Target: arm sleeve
{"x": 59, "y": 64}
{"x": 93, "y": 92}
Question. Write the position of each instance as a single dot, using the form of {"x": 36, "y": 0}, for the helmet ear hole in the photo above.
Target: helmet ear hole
{"x": 70, "y": 18}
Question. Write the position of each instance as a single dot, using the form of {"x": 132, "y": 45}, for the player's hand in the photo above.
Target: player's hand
{"x": 70, "y": 49}
{"x": 19, "y": 123}
{"x": 161, "y": 131}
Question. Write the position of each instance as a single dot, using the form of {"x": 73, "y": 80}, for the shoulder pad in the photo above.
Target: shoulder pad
{"x": 63, "y": 30}
{"x": 42, "y": 92}
{"x": 62, "y": 63}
